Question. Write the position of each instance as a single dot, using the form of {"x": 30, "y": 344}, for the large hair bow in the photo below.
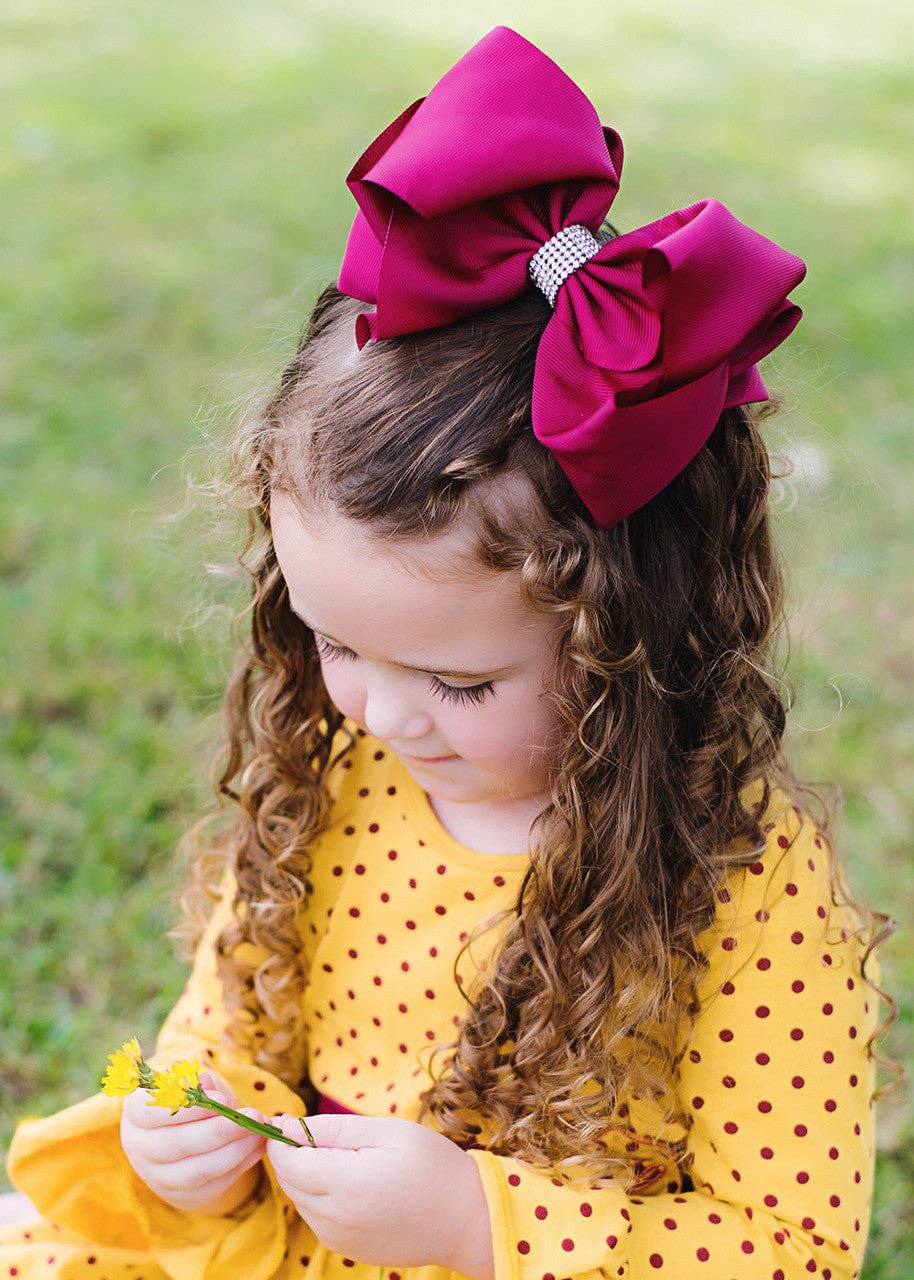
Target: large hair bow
{"x": 652, "y": 335}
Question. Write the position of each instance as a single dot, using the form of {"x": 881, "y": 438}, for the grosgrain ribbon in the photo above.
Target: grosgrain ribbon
{"x": 649, "y": 340}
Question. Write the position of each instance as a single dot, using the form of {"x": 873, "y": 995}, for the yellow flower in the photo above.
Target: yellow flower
{"x": 123, "y": 1073}
{"x": 169, "y": 1088}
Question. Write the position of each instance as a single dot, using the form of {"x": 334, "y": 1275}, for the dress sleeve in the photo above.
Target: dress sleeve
{"x": 73, "y": 1168}
{"x": 776, "y": 1079}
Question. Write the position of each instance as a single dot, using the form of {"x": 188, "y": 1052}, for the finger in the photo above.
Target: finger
{"x": 193, "y": 1196}
{"x": 163, "y": 1146}
{"x": 151, "y": 1116}
{"x": 311, "y": 1171}
{"x": 197, "y": 1171}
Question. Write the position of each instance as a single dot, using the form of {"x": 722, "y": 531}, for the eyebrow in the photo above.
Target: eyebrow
{"x": 428, "y": 671}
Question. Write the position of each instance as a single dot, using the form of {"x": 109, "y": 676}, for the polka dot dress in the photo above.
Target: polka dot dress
{"x": 775, "y": 1078}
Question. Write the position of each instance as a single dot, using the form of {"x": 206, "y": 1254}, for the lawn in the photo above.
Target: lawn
{"x": 173, "y": 199}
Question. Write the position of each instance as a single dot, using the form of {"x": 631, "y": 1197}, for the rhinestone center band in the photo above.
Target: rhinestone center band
{"x": 560, "y": 257}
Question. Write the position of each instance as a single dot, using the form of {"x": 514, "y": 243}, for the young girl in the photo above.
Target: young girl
{"x": 516, "y": 899}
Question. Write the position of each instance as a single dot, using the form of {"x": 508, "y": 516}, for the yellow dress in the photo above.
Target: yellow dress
{"x": 776, "y": 1079}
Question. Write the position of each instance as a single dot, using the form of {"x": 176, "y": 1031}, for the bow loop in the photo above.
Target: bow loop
{"x": 450, "y": 212}
{"x": 649, "y": 340}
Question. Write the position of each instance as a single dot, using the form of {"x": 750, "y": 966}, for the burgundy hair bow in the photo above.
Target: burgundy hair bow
{"x": 650, "y": 338}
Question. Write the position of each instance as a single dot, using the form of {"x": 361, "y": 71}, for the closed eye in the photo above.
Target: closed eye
{"x": 473, "y": 693}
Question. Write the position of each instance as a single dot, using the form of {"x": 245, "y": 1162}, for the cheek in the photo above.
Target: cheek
{"x": 343, "y": 688}
{"x": 497, "y": 730}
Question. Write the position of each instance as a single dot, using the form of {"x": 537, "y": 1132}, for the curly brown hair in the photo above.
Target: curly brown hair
{"x": 662, "y": 688}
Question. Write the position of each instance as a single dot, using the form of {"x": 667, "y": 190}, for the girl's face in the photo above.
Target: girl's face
{"x": 448, "y": 668}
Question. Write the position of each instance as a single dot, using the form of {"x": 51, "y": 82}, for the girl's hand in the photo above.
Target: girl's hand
{"x": 194, "y": 1159}
{"x": 382, "y": 1190}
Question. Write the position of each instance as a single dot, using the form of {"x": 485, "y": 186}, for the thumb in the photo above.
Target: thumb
{"x": 211, "y": 1083}
{"x": 345, "y": 1132}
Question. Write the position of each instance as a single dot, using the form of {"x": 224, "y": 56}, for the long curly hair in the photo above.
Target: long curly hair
{"x": 662, "y": 686}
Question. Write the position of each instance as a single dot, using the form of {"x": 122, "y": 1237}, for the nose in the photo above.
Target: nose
{"x": 392, "y": 711}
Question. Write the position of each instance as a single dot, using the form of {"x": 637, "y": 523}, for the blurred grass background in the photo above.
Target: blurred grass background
{"x": 173, "y": 198}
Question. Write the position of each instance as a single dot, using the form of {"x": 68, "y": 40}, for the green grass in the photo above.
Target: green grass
{"x": 173, "y": 197}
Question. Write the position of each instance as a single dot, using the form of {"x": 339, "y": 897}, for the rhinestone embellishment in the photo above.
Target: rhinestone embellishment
{"x": 560, "y": 257}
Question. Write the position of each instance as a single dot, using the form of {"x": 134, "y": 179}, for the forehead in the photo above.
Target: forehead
{"x": 410, "y": 600}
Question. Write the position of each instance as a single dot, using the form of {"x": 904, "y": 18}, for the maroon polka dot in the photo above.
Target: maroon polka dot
{"x": 798, "y": 1082}
{"x": 796, "y": 938}
{"x": 764, "y": 1106}
{"x": 259, "y": 1085}
{"x": 702, "y": 1255}
{"x": 747, "y": 1246}
{"x": 670, "y": 1224}
{"x": 656, "y": 1260}
{"x": 586, "y": 1210}
{"x": 514, "y": 1179}
{"x": 728, "y": 988}
{"x": 541, "y": 1211}
{"x": 762, "y": 1011}
{"x": 523, "y": 1246}
{"x": 762, "y": 1059}
{"x": 726, "y": 1035}
{"x": 728, "y": 944}
{"x": 796, "y": 1033}
{"x": 800, "y": 1130}
{"x": 731, "y": 1127}
{"x": 830, "y": 1104}
{"x": 763, "y": 963}
{"x": 797, "y": 985}
{"x": 766, "y": 1153}
{"x": 802, "y": 1176}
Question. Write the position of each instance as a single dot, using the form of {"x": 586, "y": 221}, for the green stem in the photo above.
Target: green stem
{"x": 200, "y": 1099}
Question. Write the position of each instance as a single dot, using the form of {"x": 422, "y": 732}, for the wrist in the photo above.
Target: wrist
{"x": 473, "y": 1255}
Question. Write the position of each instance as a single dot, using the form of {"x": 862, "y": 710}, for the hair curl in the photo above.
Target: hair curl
{"x": 661, "y": 685}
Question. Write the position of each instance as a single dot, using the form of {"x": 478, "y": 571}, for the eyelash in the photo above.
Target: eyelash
{"x": 474, "y": 693}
